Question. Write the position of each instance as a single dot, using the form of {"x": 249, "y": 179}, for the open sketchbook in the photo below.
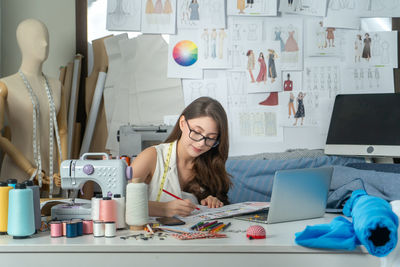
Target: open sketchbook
{"x": 205, "y": 213}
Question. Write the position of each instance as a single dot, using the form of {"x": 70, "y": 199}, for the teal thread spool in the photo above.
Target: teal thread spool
{"x": 21, "y": 218}
{"x": 12, "y": 182}
{"x": 36, "y": 203}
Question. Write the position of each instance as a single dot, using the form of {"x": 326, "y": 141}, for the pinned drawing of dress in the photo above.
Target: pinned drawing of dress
{"x": 167, "y": 7}
{"x": 221, "y": 36}
{"x": 278, "y": 38}
{"x": 300, "y": 113}
{"x": 271, "y": 66}
{"x": 291, "y": 44}
{"x": 158, "y": 7}
{"x": 194, "y": 11}
{"x": 149, "y": 7}
{"x": 214, "y": 43}
{"x": 367, "y": 48}
{"x": 263, "y": 70}
{"x": 241, "y": 5}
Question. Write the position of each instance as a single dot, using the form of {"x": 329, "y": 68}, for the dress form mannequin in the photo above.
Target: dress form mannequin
{"x": 16, "y": 104}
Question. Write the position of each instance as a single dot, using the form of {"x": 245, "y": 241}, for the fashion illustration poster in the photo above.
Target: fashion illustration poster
{"x": 195, "y": 14}
{"x": 252, "y": 7}
{"x": 159, "y": 16}
{"x": 123, "y": 15}
{"x": 213, "y": 48}
{"x": 304, "y": 7}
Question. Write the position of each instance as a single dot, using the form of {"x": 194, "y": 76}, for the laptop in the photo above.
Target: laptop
{"x": 297, "y": 194}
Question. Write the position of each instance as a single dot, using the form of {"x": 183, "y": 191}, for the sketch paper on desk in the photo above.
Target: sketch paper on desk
{"x": 322, "y": 75}
{"x": 159, "y": 16}
{"x": 263, "y": 65}
{"x": 364, "y": 80}
{"x": 381, "y": 8}
{"x": 196, "y": 14}
{"x": 213, "y": 48}
{"x": 206, "y": 214}
{"x": 213, "y": 85}
{"x": 288, "y": 31}
{"x": 183, "y": 55}
{"x": 252, "y": 8}
{"x": 364, "y": 49}
{"x": 304, "y": 7}
{"x": 342, "y": 14}
{"x": 123, "y": 15}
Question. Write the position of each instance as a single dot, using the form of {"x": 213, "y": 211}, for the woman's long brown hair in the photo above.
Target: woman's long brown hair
{"x": 210, "y": 176}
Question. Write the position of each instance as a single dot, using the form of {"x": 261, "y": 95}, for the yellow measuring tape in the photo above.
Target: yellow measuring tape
{"x": 165, "y": 172}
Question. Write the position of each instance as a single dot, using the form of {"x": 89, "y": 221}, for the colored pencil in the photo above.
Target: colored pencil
{"x": 172, "y": 195}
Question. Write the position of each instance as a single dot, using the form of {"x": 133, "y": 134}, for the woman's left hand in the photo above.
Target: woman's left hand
{"x": 211, "y": 202}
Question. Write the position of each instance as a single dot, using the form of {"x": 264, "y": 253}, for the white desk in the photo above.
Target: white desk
{"x": 279, "y": 249}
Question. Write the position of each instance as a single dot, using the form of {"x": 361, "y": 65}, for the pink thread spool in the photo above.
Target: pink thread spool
{"x": 56, "y": 229}
{"x": 64, "y": 227}
{"x": 87, "y": 227}
{"x": 108, "y": 210}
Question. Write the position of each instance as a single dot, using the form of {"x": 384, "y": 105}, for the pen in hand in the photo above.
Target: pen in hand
{"x": 172, "y": 195}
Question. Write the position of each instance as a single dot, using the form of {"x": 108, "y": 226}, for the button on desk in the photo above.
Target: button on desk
{"x": 278, "y": 249}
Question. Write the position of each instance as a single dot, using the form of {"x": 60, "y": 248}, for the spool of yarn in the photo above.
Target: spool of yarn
{"x": 72, "y": 229}
{"x": 108, "y": 210}
{"x": 12, "y": 182}
{"x": 98, "y": 228}
{"x": 120, "y": 202}
{"x": 110, "y": 229}
{"x": 96, "y": 207}
{"x": 87, "y": 227}
{"x": 21, "y": 218}
{"x": 56, "y": 229}
{"x": 64, "y": 227}
{"x": 36, "y": 203}
{"x": 4, "y": 193}
{"x": 79, "y": 226}
{"x": 137, "y": 212}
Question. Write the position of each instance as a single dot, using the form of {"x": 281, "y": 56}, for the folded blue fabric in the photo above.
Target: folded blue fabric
{"x": 338, "y": 234}
{"x": 374, "y": 222}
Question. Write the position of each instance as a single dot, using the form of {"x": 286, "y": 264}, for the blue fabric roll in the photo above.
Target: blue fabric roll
{"x": 338, "y": 234}
{"x": 374, "y": 222}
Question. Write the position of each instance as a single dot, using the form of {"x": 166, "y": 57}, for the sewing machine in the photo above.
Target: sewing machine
{"x": 110, "y": 174}
{"x": 133, "y": 139}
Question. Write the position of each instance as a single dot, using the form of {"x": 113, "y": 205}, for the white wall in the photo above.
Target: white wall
{"x": 59, "y": 17}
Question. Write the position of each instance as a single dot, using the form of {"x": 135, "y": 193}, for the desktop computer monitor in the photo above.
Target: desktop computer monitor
{"x": 365, "y": 125}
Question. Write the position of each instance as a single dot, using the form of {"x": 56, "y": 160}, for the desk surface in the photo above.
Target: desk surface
{"x": 280, "y": 240}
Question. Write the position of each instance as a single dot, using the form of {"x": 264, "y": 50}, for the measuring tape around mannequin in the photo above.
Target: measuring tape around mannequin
{"x": 165, "y": 172}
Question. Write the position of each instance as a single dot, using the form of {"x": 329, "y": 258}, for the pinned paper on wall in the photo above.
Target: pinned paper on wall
{"x": 196, "y": 14}
{"x": 381, "y": 8}
{"x": 213, "y": 48}
{"x": 304, "y": 7}
{"x": 123, "y": 15}
{"x": 183, "y": 55}
{"x": 252, "y": 8}
{"x": 342, "y": 14}
{"x": 159, "y": 16}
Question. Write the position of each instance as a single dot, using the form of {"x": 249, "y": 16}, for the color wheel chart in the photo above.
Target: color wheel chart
{"x": 185, "y": 53}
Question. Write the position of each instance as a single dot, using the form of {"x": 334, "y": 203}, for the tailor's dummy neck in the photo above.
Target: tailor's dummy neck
{"x": 33, "y": 41}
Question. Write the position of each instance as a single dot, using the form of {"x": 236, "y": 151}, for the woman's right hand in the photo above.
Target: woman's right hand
{"x": 179, "y": 207}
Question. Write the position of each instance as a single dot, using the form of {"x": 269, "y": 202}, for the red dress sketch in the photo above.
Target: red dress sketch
{"x": 288, "y": 85}
{"x": 262, "y": 74}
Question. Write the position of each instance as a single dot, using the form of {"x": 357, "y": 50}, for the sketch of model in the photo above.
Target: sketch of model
{"x": 279, "y": 38}
{"x": 185, "y": 12}
{"x": 149, "y": 7}
{"x": 291, "y": 105}
{"x": 158, "y": 8}
{"x": 194, "y": 10}
{"x": 271, "y": 64}
{"x": 357, "y": 48}
{"x": 377, "y": 77}
{"x": 385, "y": 52}
{"x": 288, "y": 84}
{"x": 367, "y": 47}
{"x": 291, "y": 44}
{"x": 167, "y": 7}
{"x": 206, "y": 45}
{"x": 321, "y": 38}
{"x": 241, "y": 5}
{"x": 262, "y": 74}
{"x": 290, "y": 3}
{"x": 301, "y": 112}
{"x": 214, "y": 43}
{"x": 249, "y": 3}
{"x": 330, "y": 37}
{"x": 252, "y": 32}
{"x": 221, "y": 36}
{"x": 251, "y": 63}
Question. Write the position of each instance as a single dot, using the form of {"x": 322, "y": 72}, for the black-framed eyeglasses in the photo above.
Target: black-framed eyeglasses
{"x": 196, "y": 136}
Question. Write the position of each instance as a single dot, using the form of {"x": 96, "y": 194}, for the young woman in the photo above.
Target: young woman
{"x": 191, "y": 162}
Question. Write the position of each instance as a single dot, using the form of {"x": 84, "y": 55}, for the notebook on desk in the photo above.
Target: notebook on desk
{"x": 296, "y": 195}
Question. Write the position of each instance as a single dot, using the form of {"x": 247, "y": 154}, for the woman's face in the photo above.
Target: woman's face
{"x": 201, "y": 127}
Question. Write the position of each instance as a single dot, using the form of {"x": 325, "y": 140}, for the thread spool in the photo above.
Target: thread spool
{"x": 87, "y": 227}
{"x": 21, "y": 219}
{"x": 108, "y": 210}
{"x": 56, "y": 229}
{"x": 96, "y": 207}
{"x": 72, "y": 229}
{"x": 79, "y": 227}
{"x": 137, "y": 212}
{"x": 98, "y": 228}
{"x": 4, "y": 194}
{"x": 12, "y": 182}
{"x": 36, "y": 203}
{"x": 64, "y": 227}
{"x": 120, "y": 203}
{"x": 110, "y": 229}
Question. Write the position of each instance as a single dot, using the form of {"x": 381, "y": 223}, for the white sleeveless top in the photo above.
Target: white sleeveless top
{"x": 171, "y": 183}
